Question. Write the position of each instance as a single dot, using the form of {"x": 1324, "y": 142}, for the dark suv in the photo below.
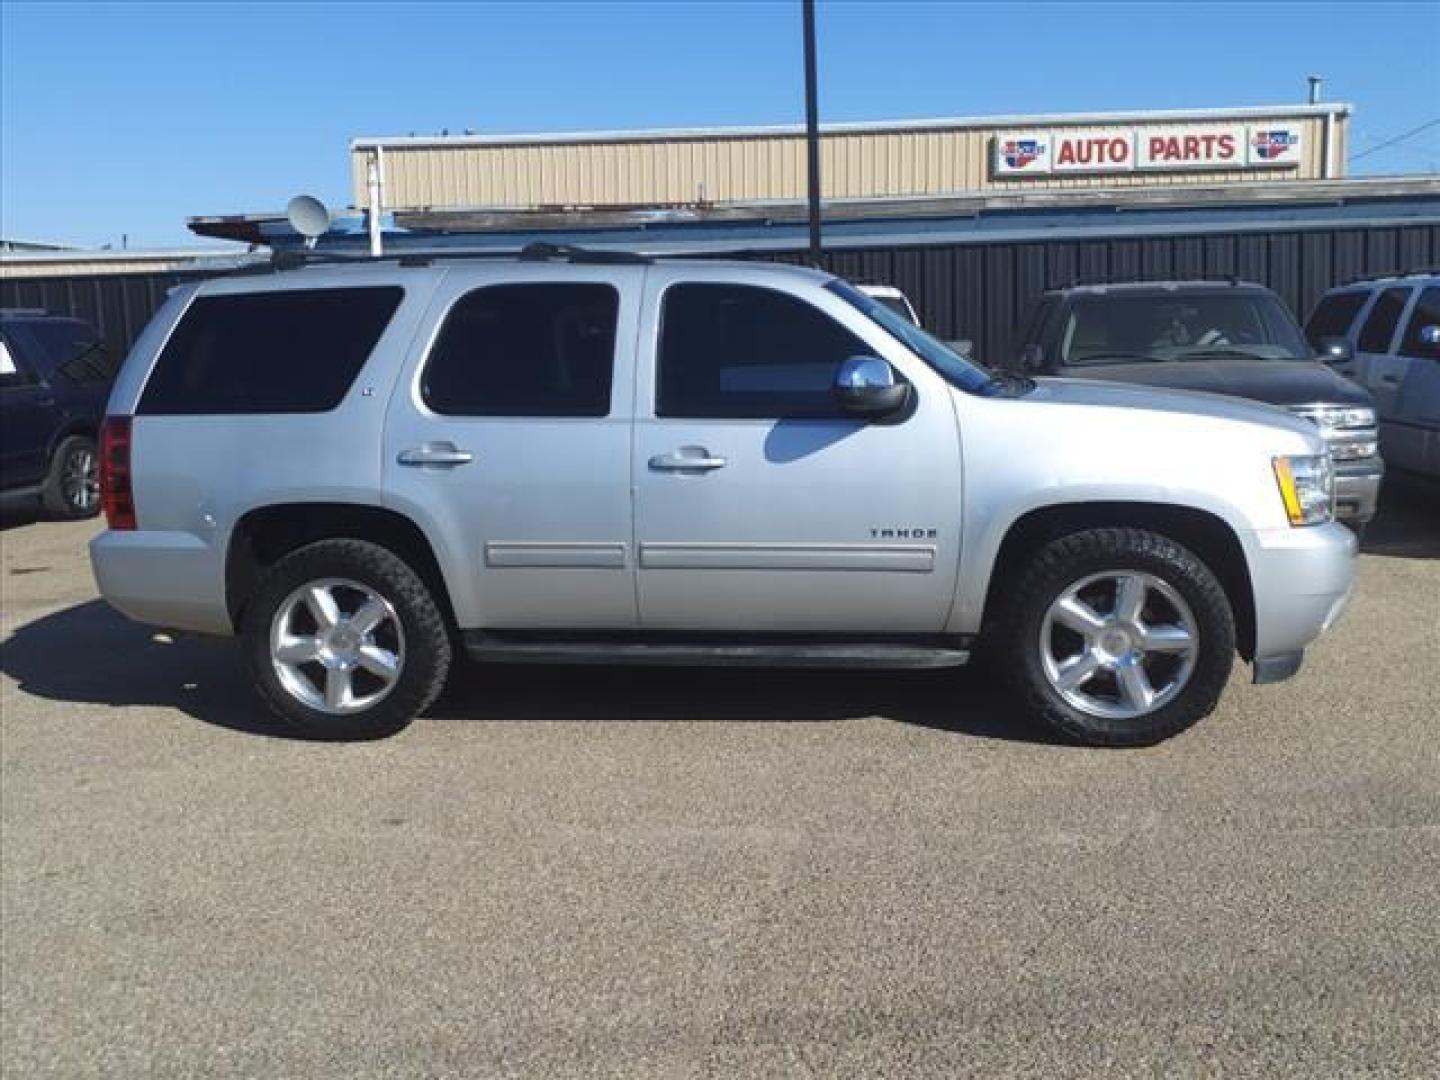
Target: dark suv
{"x": 54, "y": 378}
{"x": 1223, "y": 337}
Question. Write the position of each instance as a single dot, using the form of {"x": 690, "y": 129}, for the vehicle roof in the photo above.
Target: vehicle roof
{"x": 39, "y": 315}
{"x": 1155, "y": 288}
{"x": 1388, "y": 281}
{"x": 402, "y": 266}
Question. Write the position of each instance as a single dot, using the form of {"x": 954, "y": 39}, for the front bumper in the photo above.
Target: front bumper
{"x": 1302, "y": 579}
{"x": 1357, "y": 490}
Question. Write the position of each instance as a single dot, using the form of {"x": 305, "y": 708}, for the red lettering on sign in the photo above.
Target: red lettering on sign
{"x": 1192, "y": 147}
{"x": 1119, "y": 151}
{"x": 1227, "y": 146}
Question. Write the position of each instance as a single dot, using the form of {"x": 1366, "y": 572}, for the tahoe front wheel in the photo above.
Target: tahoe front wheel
{"x": 1119, "y": 637}
{"x": 344, "y": 641}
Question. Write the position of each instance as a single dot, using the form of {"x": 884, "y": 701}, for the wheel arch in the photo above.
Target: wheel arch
{"x": 264, "y": 535}
{"x": 1205, "y": 533}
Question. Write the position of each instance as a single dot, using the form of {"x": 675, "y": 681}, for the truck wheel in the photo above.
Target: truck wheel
{"x": 72, "y": 487}
{"x": 344, "y": 641}
{"x": 1118, "y": 637}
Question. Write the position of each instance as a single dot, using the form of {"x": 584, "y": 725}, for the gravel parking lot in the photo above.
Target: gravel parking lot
{"x": 678, "y": 873}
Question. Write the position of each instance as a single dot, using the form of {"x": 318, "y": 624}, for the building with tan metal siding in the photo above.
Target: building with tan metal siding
{"x": 880, "y": 160}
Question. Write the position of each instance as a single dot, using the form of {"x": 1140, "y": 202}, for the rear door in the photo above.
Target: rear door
{"x": 509, "y": 434}
{"x": 759, "y": 506}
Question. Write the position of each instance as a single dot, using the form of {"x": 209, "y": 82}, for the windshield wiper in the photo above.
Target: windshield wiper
{"x": 1242, "y": 354}
{"x": 1114, "y": 358}
{"x": 1005, "y": 384}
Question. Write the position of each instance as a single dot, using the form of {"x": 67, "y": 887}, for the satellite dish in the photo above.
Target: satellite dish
{"x": 309, "y": 217}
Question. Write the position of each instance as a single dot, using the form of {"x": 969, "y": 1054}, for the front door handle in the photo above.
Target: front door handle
{"x": 687, "y": 459}
{"x": 435, "y": 453}
{"x": 1392, "y": 380}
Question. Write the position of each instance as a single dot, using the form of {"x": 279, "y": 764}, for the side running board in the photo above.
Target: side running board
{"x": 519, "y": 647}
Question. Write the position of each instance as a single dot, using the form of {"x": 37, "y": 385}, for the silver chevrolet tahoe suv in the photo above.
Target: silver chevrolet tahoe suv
{"x": 573, "y": 458}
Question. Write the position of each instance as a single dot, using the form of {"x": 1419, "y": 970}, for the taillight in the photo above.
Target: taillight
{"x": 117, "y": 495}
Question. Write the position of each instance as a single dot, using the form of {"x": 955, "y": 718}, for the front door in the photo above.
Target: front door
{"x": 759, "y": 506}
{"x": 511, "y": 434}
{"x": 28, "y": 419}
{"x": 1412, "y": 434}
{"x": 1379, "y": 368}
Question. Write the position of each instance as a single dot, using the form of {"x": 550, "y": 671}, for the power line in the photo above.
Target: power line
{"x": 1397, "y": 139}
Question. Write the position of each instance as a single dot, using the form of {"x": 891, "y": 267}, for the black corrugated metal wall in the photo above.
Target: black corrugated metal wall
{"x": 979, "y": 291}
{"x": 983, "y": 291}
{"x": 118, "y": 305}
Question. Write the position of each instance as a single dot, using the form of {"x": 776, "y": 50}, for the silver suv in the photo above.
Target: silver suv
{"x": 574, "y": 458}
{"x": 1392, "y": 324}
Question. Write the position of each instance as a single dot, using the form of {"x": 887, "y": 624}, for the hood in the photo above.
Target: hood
{"x": 1119, "y": 396}
{"x": 1275, "y": 382}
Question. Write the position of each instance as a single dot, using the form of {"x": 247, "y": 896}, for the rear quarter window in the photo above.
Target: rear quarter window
{"x": 296, "y": 351}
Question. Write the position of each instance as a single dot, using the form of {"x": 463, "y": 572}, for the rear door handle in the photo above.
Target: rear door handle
{"x": 687, "y": 459}
{"x": 1393, "y": 380}
{"x": 435, "y": 453}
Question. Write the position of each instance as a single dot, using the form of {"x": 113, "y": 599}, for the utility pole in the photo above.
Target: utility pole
{"x": 812, "y": 130}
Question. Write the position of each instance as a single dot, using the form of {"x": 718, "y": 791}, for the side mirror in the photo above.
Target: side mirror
{"x": 1335, "y": 351}
{"x": 963, "y": 347}
{"x": 867, "y": 386}
{"x": 1032, "y": 358}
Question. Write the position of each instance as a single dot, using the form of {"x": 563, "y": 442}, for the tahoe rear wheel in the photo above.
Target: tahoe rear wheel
{"x": 344, "y": 641}
{"x": 1119, "y": 637}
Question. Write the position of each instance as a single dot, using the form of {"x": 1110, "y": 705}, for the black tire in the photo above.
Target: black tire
{"x": 72, "y": 487}
{"x": 1069, "y": 559}
{"x": 426, "y": 653}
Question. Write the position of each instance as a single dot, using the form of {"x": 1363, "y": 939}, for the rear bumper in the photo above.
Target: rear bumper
{"x": 170, "y": 579}
{"x": 1302, "y": 580}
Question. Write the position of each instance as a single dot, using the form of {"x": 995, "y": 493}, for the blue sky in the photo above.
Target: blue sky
{"x": 125, "y": 118}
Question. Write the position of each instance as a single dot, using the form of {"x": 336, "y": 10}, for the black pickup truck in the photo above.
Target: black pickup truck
{"x": 55, "y": 376}
{"x": 1223, "y": 337}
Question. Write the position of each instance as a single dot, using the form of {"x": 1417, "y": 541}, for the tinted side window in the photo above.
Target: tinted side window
{"x": 525, "y": 350}
{"x": 742, "y": 352}
{"x": 273, "y": 352}
{"x": 1379, "y": 328}
{"x": 1334, "y": 316}
{"x": 1425, "y": 313}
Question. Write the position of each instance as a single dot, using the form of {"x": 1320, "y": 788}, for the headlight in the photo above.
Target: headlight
{"x": 1307, "y": 486}
{"x": 1339, "y": 417}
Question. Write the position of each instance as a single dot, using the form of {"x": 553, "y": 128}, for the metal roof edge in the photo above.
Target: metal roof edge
{"x": 370, "y": 142}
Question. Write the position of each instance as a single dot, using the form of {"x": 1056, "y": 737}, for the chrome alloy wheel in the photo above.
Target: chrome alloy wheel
{"x": 80, "y": 479}
{"x": 337, "y": 646}
{"x": 1119, "y": 644}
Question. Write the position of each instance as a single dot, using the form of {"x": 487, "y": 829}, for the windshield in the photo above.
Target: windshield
{"x": 1206, "y": 326}
{"x": 954, "y": 368}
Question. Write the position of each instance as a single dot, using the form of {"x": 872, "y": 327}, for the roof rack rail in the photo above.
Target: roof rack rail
{"x": 1217, "y": 279}
{"x": 540, "y": 251}
{"x": 1394, "y": 274}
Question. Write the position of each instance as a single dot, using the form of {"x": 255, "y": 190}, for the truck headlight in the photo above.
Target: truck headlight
{"x": 1307, "y": 486}
{"x": 1338, "y": 417}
